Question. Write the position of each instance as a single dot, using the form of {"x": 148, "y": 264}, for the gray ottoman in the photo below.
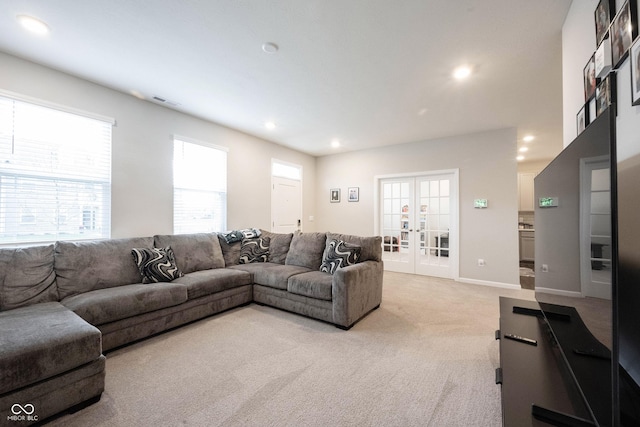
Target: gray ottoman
{"x": 50, "y": 360}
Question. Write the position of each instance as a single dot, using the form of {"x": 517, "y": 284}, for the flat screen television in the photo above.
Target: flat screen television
{"x": 587, "y": 261}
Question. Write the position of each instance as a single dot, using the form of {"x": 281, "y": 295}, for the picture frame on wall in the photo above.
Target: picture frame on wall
{"x": 603, "y": 58}
{"x": 622, "y": 33}
{"x": 334, "y": 195}
{"x": 590, "y": 81}
{"x": 602, "y": 18}
{"x": 582, "y": 119}
{"x": 634, "y": 54}
{"x": 591, "y": 110}
{"x": 605, "y": 93}
{"x": 354, "y": 194}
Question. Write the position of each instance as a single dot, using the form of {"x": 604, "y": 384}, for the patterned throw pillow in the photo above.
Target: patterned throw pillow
{"x": 339, "y": 254}
{"x": 255, "y": 250}
{"x": 156, "y": 264}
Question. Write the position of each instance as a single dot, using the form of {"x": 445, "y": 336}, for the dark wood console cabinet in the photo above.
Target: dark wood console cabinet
{"x": 533, "y": 374}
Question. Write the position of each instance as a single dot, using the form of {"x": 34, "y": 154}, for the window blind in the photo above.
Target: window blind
{"x": 199, "y": 188}
{"x": 55, "y": 174}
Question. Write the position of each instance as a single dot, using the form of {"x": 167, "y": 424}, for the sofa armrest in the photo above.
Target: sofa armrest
{"x": 356, "y": 290}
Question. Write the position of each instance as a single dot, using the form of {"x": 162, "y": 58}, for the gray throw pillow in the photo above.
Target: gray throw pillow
{"x": 156, "y": 264}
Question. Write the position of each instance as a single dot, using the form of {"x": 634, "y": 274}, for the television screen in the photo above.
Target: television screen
{"x": 575, "y": 259}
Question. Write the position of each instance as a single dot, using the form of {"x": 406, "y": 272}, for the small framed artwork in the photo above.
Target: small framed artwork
{"x": 582, "y": 118}
{"x": 590, "y": 81}
{"x": 605, "y": 93}
{"x": 622, "y": 33}
{"x": 603, "y": 58}
{"x": 591, "y": 110}
{"x": 602, "y": 17}
{"x": 354, "y": 194}
{"x": 635, "y": 72}
{"x": 334, "y": 195}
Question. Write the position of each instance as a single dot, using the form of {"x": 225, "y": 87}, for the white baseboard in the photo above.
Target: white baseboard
{"x": 489, "y": 283}
{"x": 572, "y": 294}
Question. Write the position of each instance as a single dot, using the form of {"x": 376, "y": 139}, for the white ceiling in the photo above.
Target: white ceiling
{"x": 366, "y": 72}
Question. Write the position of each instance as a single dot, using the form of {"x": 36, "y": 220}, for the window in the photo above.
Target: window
{"x": 54, "y": 166}
{"x": 286, "y": 170}
{"x": 199, "y": 187}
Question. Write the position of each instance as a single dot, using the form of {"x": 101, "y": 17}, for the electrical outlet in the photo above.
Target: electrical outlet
{"x": 480, "y": 262}
{"x": 545, "y": 268}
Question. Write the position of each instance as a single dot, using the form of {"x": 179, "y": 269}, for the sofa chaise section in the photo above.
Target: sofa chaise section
{"x": 50, "y": 358}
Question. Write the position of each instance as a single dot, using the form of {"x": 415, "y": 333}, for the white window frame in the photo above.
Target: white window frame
{"x": 207, "y": 217}
{"x": 44, "y": 185}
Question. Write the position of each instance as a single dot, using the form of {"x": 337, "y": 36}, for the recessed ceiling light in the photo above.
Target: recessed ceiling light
{"x": 270, "y": 47}
{"x": 462, "y": 72}
{"x": 33, "y": 25}
{"x": 523, "y": 149}
{"x": 270, "y": 125}
{"x": 335, "y": 143}
{"x": 528, "y": 138}
{"x": 520, "y": 158}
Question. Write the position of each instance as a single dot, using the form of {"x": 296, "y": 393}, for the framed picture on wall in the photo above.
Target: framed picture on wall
{"x": 582, "y": 119}
{"x": 334, "y": 195}
{"x": 605, "y": 93}
{"x": 602, "y": 17}
{"x": 591, "y": 110}
{"x": 635, "y": 72}
{"x": 622, "y": 32}
{"x": 354, "y": 194}
{"x": 603, "y": 58}
{"x": 590, "y": 81}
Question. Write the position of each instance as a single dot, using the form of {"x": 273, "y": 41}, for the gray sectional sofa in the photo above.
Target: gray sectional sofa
{"x": 62, "y": 305}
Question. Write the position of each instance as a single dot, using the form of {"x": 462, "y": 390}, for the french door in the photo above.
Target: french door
{"x": 418, "y": 221}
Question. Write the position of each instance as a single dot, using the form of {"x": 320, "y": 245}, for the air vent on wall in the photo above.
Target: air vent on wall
{"x": 165, "y": 101}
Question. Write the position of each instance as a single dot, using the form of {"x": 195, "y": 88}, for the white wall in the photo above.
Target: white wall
{"x": 142, "y": 195}
{"x": 578, "y": 44}
{"x": 487, "y": 170}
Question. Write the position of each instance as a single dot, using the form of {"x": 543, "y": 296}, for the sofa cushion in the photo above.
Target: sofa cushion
{"x": 111, "y": 304}
{"x": 230, "y": 252}
{"x": 279, "y": 246}
{"x": 270, "y": 274}
{"x": 339, "y": 254}
{"x": 207, "y": 282}
{"x": 371, "y": 246}
{"x": 99, "y": 264}
{"x": 156, "y": 264}
{"x": 43, "y": 340}
{"x": 254, "y": 250}
{"x": 314, "y": 284}
{"x": 306, "y": 250}
{"x": 239, "y": 235}
{"x": 193, "y": 252}
{"x": 27, "y": 276}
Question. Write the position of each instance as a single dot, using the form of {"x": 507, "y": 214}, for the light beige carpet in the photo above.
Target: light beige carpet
{"x": 426, "y": 357}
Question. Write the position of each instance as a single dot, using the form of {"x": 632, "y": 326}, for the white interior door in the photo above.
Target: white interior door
{"x": 286, "y": 205}
{"x": 418, "y": 222}
{"x": 435, "y": 218}
{"x": 397, "y": 218}
{"x": 595, "y": 230}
